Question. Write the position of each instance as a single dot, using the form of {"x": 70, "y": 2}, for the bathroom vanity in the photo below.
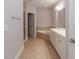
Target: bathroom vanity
{"x": 57, "y": 38}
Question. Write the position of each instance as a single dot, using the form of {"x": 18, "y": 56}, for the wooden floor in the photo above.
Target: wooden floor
{"x": 38, "y": 49}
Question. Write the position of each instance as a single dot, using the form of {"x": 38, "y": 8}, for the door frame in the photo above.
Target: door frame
{"x": 24, "y": 24}
{"x": 34, "y": 24}
{"x": 67, "y": 4}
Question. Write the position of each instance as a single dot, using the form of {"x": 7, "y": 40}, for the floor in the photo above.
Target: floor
{"x": 38, "y": 49}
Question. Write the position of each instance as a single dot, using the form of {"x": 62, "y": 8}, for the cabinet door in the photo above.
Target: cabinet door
{"x": 60, "y": 46}
{"x": 55, "y": 40}
{"x": 52, "y": 37}
{"x": 58, "y": 42}
{"x": 14, "y": 22}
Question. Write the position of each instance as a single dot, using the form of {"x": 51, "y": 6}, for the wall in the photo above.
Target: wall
{"x": 44, "y": 17}
{"x": 29, "y": 9}
{"x": 54, "y": 16}
{"x": 13, "y": 28}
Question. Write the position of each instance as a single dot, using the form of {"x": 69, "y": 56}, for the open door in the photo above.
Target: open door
{"x": 70, "y": 26}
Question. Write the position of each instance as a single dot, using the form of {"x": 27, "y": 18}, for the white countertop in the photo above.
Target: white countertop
{"x": 60, "y": 31}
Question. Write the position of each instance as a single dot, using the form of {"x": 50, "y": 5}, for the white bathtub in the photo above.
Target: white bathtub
{"x": 43, "y": 31}
{"x": 43, "y": 34}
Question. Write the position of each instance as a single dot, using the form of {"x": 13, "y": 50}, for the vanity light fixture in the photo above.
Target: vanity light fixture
{"x": 60, "y": 6}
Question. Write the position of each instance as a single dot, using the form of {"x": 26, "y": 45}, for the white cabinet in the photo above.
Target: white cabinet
{"x": 58, "y": 42}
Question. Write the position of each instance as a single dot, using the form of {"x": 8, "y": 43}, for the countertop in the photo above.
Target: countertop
{"x": 60, "y": 31}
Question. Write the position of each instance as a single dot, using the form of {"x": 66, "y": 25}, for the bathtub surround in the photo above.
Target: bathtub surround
{"x": 43, "y": 35}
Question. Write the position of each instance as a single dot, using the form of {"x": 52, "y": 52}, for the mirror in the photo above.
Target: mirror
{"x": 60, "y": 15}
{"x": 61, "y": 18}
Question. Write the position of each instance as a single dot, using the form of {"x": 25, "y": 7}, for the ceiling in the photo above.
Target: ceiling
{"x": 43, "y": 3}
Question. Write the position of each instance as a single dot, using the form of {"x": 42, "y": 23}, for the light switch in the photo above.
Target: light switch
{"x": 5, "y": 27}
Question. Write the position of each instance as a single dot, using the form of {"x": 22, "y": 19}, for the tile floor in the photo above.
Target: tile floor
{"x": 38, "y": 49}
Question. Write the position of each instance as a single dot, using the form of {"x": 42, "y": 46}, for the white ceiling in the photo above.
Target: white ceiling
{"x": 43, "y": 3}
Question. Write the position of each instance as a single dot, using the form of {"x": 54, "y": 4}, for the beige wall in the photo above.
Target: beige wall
{"x": 44, "y": 17}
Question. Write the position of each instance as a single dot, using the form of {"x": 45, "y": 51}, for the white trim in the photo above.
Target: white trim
{"x": 20, "y": 51}
{"x": 25, "y": 41}
{"x": 26, "y": 38}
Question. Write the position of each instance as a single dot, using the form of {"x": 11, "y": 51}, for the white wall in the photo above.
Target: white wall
{"x": 29, "y": 9}
{"x": 44, "y": 17}
{"x": 13, "y": 28}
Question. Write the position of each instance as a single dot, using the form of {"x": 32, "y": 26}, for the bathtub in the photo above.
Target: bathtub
{"x": 43, "y": 34}
{"x": 43, "y": 31}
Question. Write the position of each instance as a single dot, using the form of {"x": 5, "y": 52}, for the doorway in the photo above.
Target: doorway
{"x": 31, "y": 25}
{"x": 24, "y": 25}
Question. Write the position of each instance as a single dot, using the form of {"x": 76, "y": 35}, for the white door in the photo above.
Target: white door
{"x": 70, "y": 29}
{"x": 13, "y": 27}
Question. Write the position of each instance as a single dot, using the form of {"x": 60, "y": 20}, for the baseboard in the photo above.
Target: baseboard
{"x": 26, "y": 38}
{"x": 24, "y": 41}
{"x": 20, "y": 51}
